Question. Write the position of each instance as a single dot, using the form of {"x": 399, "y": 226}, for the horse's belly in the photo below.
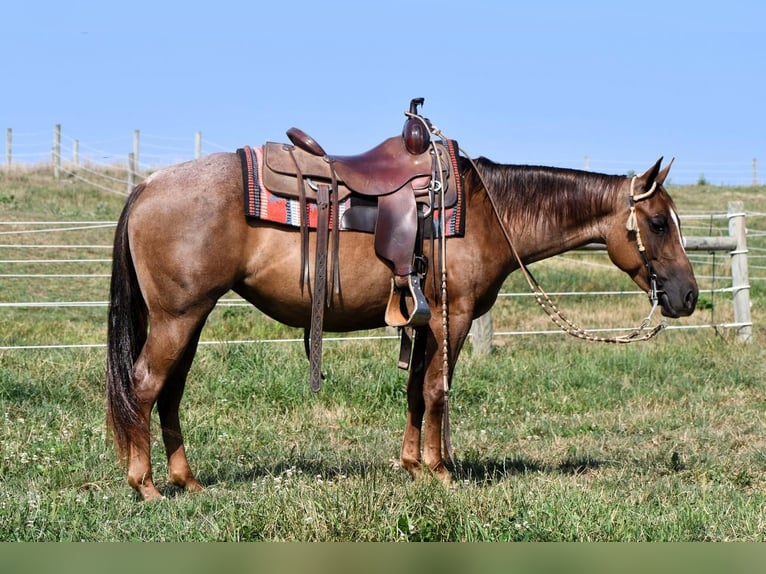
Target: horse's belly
{"x": 274, "y": 286}
{"x": 338, "y": 317}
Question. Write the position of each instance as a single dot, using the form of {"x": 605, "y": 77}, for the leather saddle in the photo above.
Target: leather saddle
{"x": 397, "y": 184}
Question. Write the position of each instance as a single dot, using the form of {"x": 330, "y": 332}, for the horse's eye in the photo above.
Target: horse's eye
{"x": 658, "y": 224}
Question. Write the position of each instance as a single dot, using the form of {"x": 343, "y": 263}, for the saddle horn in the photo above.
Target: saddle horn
{"x": 416, "y": 131}
{"x": 414, "y": 103}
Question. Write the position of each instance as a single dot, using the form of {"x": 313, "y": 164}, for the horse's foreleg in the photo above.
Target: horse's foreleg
{"x": 434, "y": 391}
{"x": 410, "y": 456}
{"x": 424, "y": 398}
{"x": 425, "y": 404}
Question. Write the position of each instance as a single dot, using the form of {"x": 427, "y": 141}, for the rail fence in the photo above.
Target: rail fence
{"x": 80, "y": 258}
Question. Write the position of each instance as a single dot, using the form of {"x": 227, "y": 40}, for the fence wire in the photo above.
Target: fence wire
{"x": 25, "y": 256}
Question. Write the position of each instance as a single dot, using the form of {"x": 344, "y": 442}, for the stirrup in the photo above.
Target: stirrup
{"x": 407, "y": 307}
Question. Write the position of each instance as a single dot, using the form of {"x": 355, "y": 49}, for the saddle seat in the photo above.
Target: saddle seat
{"x": 379, "y": 171}
{"x": 382, "y": 170}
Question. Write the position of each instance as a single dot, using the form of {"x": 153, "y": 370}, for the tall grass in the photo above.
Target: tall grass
{"x": 555, "y": 439}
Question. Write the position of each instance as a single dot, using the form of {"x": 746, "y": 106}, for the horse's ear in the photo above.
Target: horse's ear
{"x": 650, "y": 176}
{"x": 662, "y": 176}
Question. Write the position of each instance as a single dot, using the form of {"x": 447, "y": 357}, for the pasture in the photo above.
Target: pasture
{"x": 555, "y": 439}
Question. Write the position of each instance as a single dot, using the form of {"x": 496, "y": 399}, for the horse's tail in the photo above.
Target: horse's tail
{"x": 126, "y": 335}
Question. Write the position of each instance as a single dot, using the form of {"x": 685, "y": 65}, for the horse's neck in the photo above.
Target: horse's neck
{"x": 541, "y": 234}
{"x": 541, "y": 242}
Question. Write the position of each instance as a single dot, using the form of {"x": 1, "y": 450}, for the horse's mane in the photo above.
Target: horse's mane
{"x": 526, "y": 192}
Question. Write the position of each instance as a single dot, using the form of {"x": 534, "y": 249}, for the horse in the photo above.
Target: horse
{"x": 182, "y": 242}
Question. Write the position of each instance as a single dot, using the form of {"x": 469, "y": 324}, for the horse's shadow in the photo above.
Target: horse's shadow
{"x": 470, "y": 469}
{"x": 477, "y": 470}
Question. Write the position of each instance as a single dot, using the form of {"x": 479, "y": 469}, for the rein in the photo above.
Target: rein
{"x": 438, "y": 186}
{"x": 544, "y": 300}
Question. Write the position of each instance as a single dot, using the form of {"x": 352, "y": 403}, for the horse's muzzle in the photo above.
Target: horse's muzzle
{"x": 680, "y": 305}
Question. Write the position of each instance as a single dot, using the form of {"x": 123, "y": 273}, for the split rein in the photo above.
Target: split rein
{"x": 639, "y": 333}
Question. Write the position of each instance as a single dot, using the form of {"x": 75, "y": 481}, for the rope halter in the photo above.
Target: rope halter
{"x": 632, "y": 225}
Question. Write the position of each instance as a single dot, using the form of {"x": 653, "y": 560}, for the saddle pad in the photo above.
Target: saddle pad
{"x": 262, "y": 204}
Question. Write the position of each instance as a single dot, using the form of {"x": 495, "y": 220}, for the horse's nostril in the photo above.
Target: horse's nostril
{"x": 690, "y": 301}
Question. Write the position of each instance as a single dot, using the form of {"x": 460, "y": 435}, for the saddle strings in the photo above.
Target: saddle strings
{"x": 552, "y": 310}
{"x": 304, "y": 279}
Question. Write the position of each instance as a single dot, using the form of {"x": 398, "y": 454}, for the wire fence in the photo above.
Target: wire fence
{"x": 35, "y": 251}
{"x": 34, "y": 259}
{"x": 144, "y": 152}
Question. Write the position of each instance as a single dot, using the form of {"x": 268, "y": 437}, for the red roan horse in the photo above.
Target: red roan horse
{"x": 182, "y": 242}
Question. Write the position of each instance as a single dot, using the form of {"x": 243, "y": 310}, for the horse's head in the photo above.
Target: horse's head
{"x": 645, "y": 241}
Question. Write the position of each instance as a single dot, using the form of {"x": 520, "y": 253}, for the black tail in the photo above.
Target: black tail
{"x": 126, "y": 335}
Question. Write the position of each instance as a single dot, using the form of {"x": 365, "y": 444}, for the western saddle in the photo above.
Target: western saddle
{"x": 393, "y": 188}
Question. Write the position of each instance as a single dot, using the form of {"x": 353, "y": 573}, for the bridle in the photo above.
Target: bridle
{"x": 639, "y": 333}
{"x": 632, "y": 225}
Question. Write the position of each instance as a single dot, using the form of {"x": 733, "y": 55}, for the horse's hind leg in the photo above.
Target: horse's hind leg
{"x": 168, "y": 403}
{"x": 164, "y": 361}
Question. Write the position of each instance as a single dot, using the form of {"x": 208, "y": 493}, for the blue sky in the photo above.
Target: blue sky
{"x": 519, "y": 82}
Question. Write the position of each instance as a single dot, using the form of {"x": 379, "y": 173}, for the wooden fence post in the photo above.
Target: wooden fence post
{"x": 136, "y": 156}
{"x": 481, "y": 334}
{"x": 739, "y": 274}
{"x": 8, "y": 147}
{"x": 131, "y": 171}
{"x": 56, "y": 154}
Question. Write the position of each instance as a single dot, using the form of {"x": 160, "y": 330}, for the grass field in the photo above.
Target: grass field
{"x": 555, "y": 439}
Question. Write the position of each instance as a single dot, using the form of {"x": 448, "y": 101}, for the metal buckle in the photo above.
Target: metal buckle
{"x": 420, "y": 264}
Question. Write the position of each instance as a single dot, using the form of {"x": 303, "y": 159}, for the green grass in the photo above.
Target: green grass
{"x": 555, "y": 439}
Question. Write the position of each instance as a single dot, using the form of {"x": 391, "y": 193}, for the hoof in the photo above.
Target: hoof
{"x": 145, "y": 488}
{"x": 413, "y": 467}
{"x": 420, "y": 472}
{"x": 194, "y": 486}
{"x": 441, "y": 473}
{"x": 187, "y": 483}
{"x": 150, "y": 495}
{"x": 444, "y": 475}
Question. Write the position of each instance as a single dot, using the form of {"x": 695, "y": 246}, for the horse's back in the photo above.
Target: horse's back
{"x": 191, "y": 242}
{"x": 213, "y": 181}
